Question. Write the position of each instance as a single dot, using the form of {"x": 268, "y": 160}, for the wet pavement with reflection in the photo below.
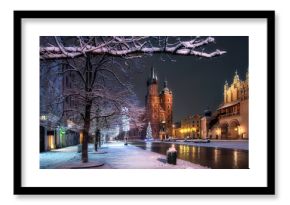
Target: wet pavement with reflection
{"x": 215, "y": 158}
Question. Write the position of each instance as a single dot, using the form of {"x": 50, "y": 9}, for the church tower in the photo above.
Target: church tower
{"x": 159, "y": 107}
{"x": 166, "y": 106}
{"x": 153, "y": 103}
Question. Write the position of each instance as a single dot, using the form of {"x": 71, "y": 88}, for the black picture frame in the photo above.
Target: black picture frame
{"x": 19, "y": 189}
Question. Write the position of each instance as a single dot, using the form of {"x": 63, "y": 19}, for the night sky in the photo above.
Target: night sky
{"x": 197, "y": 83}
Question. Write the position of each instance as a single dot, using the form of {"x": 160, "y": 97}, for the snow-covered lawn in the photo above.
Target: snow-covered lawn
{"x": 114, "y": 156}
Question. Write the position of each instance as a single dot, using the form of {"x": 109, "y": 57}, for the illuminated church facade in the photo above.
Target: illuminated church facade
{"x": 159, "y": 107}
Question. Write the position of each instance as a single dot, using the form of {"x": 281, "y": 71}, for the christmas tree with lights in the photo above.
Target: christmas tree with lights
{"x": 149, "y": 133}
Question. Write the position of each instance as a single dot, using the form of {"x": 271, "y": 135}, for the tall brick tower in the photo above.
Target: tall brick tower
{"x": 153, "y": 103}
{"x": 158, "y": 107}
{"x": 166, "y": 106}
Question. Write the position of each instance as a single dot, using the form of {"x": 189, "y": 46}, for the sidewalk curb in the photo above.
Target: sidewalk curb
{"x": 80, "y": 165}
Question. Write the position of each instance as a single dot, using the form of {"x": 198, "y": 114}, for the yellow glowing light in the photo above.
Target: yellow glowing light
{"x": 235, "y": 158}
{"x": 216, "y": 152}
{"x": 240, "y": 130}
{"x": 193, "y": 150}
{"x": 218, "y": 131}
{"x": 51, "y": 142}
{"x": 81, "y": 137}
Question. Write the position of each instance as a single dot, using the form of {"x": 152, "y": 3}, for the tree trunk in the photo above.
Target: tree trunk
{"x": 86, "y": 131}
{"x": 89, "y": 102}
{"x": 97, "y": 139}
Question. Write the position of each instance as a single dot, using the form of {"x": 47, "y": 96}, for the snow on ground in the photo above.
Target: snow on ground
{"x": 59, "y": 157}
{"x": 130, "y": 157}
{"x": 114, "y": 155}
{"x": 53, "y": 159}
{"x": 228, "y": 144}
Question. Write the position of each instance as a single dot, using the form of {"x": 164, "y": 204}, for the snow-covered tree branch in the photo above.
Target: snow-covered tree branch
{"x": 128, "y": 47}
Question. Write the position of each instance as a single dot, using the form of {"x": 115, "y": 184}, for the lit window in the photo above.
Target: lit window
{"x": 43, "y": 117}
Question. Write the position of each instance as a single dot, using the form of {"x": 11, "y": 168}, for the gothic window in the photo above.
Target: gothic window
{"x": 168, "y": 100}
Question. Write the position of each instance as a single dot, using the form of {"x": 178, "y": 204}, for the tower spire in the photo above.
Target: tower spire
{"x": 153, "y": 74}
{"x": 165, "y": 83}
{"x": 236, "y": 77}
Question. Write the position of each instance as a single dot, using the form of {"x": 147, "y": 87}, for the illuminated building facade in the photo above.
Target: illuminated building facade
{"x": 231, "y": 120}
{"x": 159, "y": 107}
{"x": 190, "y": 127}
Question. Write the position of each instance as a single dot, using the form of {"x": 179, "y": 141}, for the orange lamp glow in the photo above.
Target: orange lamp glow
{"x": 81, "y": 137}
